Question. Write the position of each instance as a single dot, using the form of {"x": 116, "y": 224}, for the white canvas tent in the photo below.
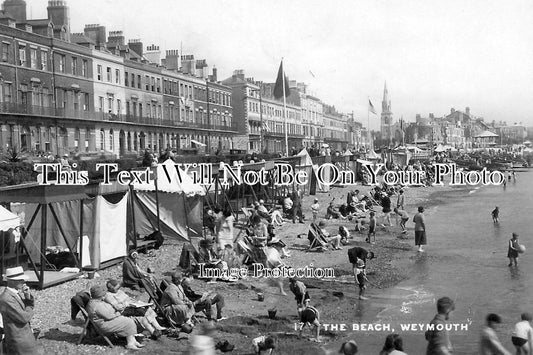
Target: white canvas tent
{"x": 171, "y": 203}
{"x": 8, "y": 219}
{"x": 307, "y": 163}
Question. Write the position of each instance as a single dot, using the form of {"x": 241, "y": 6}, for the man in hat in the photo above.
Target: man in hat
{"x": 420, "y": 229}
{"x": 297, "y": 197}
{"x": 132, "y": 273}
{"x": 203, "y": 301}
{"x": 175, "y": 303}
{"x": 439, "y": 338}
{"x": 16, "y": 307}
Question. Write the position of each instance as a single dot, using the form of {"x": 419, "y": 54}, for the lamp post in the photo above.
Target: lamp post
{"x": 208, "y": 117}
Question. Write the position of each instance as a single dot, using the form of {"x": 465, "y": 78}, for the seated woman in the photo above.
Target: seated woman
{"x": 175, "y": 303}
{"x": 208, "y": 257}
{"x": 277, "y": 217}
{"x": 110, "y": 321}
{"x": 332, "y": 212}
{"x": 344, "y": 234}
{"x": 259, "y": 231}
{"x": 132, "y": 273}
{"x": 122, "y": 303}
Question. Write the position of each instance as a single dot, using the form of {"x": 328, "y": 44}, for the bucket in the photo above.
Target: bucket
{"x": 90, "y": 275}
{"x": 272, "y": 313}
{"x": 260, "y": 297}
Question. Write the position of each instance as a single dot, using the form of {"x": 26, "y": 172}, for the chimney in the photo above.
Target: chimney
{"x": 239, "y": 73}
{"x": 58, "y": 13}
{"x": 172, "y": 60}
{"x": 467, "y": 110}
{"x": 116, "y": 37}
{"x": 214, "y": 76}
{"x": 153, "y": 54}
{"x": 452, "y": 110}
{"x": 136, "y": 45}
{"x": 16, "y": 8}
{"x": 97, "y": 33}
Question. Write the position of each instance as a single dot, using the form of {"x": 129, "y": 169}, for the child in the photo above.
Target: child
{"x": 314, "y": 208}
{"x": 300, "y": 294}
{"x": 495, "y": 214}
{"x": 512, "y": 253}
{"x": 372, "y": 227}
{"x": 310, "y": 317}
{"x": 522, "y": 336}
{"x": 404, "y": 216}
{"x": 264, "y": 343}
{"x": 360, "y": 277}
{"x": 344, "y": 234}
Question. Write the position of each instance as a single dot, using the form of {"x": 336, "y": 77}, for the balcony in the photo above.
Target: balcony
{"x": 31, "y": 110}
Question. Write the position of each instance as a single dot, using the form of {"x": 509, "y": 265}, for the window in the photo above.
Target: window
{"x": 148, "y": 109}
{"x": 76, "y": 137}
{"x": 99, "y": 72}
{"x": 132, "y": 80}
{"x": 100, "y": 103}
{"x": 76, "y": 101}
{"x": 5, "y": 52}
{"x": 84, "y": 68}
{"x": 126, "y": 79}
{"x": 158, "y": 85}
{"x": 44, "y": 60}
{"x": 147, "y": 82}
{"x": 140, "y": 110}
{"x": 74, "y": 66}
{"x": 153, "y": 83}
{"x": 6, "y": 92}
{"x": 119, "y": 107}
{"x": 110, "y": 104}
{"x": 33, "y": 58}
{"x": 138, "y": 81}
{"x": 117, "y": 76}
{"x": 108, "y": 74}
{"x": 127, "y": 108}
{"x": 61, "y": 60}
{"x": 22, "y": 55}
{"x": 87, "y": 135}
{"x": 111, "y": 140}
{"x": 102, "y": 139}
{"x": 85, "y": 102}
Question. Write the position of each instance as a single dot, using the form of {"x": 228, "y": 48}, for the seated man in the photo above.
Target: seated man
{"x": 203, "y": 301}
{"x": 123, "y": 304}
{"x": 332, "y": 212}
{"x": 334, "y": 241}
{"x": 208, "y": 257}
{"x": 175, "y": 303}
{"x": 345, "y": 211}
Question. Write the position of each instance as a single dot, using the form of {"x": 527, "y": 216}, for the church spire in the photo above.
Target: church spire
{"x": 385, "y": 104}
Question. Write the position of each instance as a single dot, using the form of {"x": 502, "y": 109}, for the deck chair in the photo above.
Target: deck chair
{"x": 317, "y": 241}
{"x": 253, "y": 254}
{"x": 247, "y": 216}
{"x": 91, "y": 329}
{"x": 153, "y": 291}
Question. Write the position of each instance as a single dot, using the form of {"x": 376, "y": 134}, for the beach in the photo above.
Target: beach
{"x": 337, "y": 299}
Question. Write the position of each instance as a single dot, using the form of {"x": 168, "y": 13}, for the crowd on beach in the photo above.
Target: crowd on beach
{"x": 175, "y": 306}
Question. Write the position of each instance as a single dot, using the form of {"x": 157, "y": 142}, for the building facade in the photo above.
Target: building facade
{"x": 65, "y": 93}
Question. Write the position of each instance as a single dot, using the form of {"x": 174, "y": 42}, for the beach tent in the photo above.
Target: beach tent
{"x": 306, "y": 163}
{"x": 92, "y": 229}
{"x": 440, "y": 148}
{"x": 8, "y": 219}
{"x": 171, "y": 203}
{"x": 371, "y": 155}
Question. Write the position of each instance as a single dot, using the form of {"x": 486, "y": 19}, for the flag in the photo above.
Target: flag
{"x": 310, "y": 72}
{"x": 278, "y": 87}
{"x": 371, "y": 107}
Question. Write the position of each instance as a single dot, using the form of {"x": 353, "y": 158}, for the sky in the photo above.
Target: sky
{"x": 434, "y": 55}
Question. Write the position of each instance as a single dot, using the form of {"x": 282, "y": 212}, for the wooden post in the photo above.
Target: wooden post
{"x": 44, "y": 211}
{"x": 157, "y": 201}
{"x": 132, "y": 207}
{"x": 81, "y": 234}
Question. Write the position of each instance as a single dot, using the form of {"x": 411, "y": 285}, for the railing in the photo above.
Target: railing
{"x": 32, "y": 110}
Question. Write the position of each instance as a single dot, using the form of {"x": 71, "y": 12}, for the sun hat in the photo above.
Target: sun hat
{"x": 98, "y": 291}
{"x": 16, "y": 274}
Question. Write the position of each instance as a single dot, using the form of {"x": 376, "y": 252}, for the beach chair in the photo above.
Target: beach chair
{"x": 317, "y": 241}
{"x": 90, "y": 329}
{"x": 247, "y": 216}
{"x": 253, "y": 254}
{"x": 153, "y": 291}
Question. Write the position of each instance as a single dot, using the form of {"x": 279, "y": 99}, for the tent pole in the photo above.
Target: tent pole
{"x": 132, "y": 207}
{"x": 81, "y": 234}
{"x": 157, "y": 201}
{"x": 44, "y": 211}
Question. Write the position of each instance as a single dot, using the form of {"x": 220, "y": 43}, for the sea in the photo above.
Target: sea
{"x": 466, "y": 260}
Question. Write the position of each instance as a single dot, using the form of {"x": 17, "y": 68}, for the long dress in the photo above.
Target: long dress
{"x": 110, "y": 321}
{"x": 225, "y": 232}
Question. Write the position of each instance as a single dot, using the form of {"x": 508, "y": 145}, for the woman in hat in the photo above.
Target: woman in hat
{"x": 16, "y": 307}
{"x": 132, "y": 273}
{"x": 110, "y": 321}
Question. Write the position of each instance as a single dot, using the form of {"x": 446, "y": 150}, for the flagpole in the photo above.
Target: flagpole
{"x": 285, "y": 109}
{"x": 368, "y": 123}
